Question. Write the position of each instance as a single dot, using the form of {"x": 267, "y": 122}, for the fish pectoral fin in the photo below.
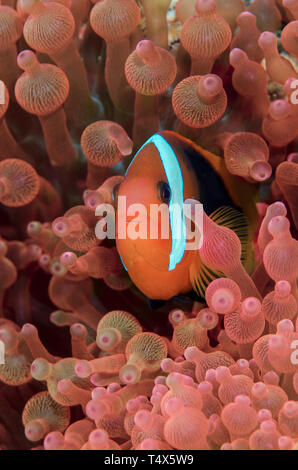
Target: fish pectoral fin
{"x": 201, "y": 275}
{"x": 235, "y": 220}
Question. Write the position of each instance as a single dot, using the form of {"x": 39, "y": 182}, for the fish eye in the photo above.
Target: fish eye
{"x": 115, "y": 193}
{"x": 164, "y": 192}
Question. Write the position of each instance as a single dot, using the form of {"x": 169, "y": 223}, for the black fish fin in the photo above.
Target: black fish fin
{"x": 155, "y": 304}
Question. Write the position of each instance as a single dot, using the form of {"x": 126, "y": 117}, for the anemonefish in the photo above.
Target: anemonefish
{"x": 168, "y": 169}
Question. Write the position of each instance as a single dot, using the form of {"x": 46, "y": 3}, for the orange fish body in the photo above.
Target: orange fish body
{"x": 163, "y": 170}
